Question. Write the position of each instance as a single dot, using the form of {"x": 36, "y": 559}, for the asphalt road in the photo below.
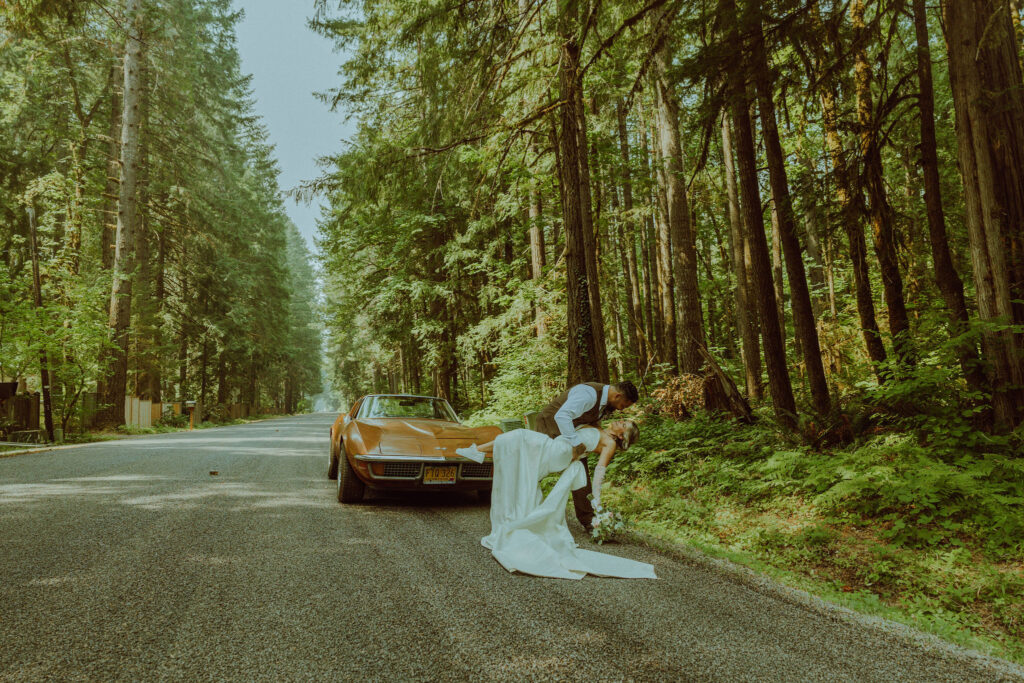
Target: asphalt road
{"x": 128, "y": 561}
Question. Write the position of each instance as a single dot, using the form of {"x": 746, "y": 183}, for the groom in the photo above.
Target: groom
{"x": 583, "y": 404}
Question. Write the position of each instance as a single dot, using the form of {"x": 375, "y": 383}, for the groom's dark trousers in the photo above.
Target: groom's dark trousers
{"x": 545, "y": 424}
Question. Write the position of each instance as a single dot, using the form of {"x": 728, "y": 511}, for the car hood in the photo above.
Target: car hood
{"x": 401, "y": 436}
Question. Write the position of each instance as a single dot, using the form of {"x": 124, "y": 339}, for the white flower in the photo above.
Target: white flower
{"x": 607, "y": 523}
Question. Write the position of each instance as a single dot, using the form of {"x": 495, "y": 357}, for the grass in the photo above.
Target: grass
{"x": 927, "y": 538}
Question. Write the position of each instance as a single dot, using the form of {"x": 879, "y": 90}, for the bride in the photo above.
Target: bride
{"x": 528, "y": 531}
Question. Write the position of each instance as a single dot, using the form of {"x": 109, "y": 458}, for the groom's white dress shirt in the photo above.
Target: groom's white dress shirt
{"x": 581, "y": 399}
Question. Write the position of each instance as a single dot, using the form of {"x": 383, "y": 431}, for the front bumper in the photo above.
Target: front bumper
{"x": 407, "y": 471}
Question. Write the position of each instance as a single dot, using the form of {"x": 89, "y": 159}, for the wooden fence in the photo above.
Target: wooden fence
{"x": 19, "y": 413}
{"x": 23, "y": 412}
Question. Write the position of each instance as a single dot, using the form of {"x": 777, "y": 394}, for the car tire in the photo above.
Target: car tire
{"x": 350, "y": 486}
{"x": 332, "y": 465}
{"x": 484, "y": 495}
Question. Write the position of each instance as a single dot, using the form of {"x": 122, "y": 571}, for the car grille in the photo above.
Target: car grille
{"x": 409, "y": 470}
{"x": 477, "y": 471}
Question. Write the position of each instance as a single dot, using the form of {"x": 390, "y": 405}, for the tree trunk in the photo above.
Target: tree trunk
{"x": 537, "y": 257}
{"x": 451, "y": 359}
{"x": 114, "y": 362}
{"x": 156, "y": 385}
{"x": 689, "y": 321}
{"x": 946, "y": 277}
{"x": 985, "y": 75}
{"x": 830, "y": 276}
{"x": 625, "y": 341}
{"x": 813, "y": 230}
{"x": 556, "y": 251}
{"x": 590, "y": 246}
{"x": 108, "y": 235}
{"x": 648, "y": 254}
{"x": 771, "y": 333}
{"x": 254, "y": 393}
{"x": 746, "y": 322}
{"x": 881, "y": 213}
{"x": 222, "y": 378}
{"x": 45, "y": 377}
{"x": 620, "y": 345}
{"x": 203, "y": 362}
{"x": 73, "y": 243}
{"x": 849, "y": 210}
{"x": 627, "y": 229}
{"x": 182, "y": 331}
{"x": 712, "y": 316}
{"x": 583, "y": 359}
{"x": 816, "y": 271}
{"x": 146, "y": 302}
{"x": 537, "y": 252}
{"x": 800, "y": 296}
{"x": 777, "y": 270}
{"x": 669, "y": 348}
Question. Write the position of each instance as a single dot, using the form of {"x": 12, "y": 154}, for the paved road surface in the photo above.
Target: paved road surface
{"x": 129, "y": 561}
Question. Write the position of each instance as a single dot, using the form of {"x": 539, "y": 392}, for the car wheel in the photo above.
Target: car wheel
{"x": 332, "y": 465}
{"x": 350, "y": 487}
{"x": 484, "y": 495}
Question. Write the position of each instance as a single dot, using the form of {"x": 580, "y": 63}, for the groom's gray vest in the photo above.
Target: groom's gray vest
{"x": 545, "y": 422}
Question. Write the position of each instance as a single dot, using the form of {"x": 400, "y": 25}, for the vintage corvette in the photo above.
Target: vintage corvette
{"x": 400, "y": 442}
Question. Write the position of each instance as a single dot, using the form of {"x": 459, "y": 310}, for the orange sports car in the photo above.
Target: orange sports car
{"x": 400, "y": 442}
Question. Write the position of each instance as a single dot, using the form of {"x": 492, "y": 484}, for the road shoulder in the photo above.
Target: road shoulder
{"x": 933, "y": 645}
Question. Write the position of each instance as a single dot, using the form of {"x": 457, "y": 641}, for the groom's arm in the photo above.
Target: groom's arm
{"x": 581, "y": 398}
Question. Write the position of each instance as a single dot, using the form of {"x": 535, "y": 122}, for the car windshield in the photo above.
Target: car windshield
{"x": 408, "y": 406}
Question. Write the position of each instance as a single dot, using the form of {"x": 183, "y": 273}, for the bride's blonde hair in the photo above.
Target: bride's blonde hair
{"x": 630, "y": 436}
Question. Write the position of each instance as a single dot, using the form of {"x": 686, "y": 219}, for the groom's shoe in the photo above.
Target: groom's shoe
{"x": 471, "y": 452}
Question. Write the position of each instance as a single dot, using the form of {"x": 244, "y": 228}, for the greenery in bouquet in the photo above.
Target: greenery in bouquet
{"x": 607, "y": 522}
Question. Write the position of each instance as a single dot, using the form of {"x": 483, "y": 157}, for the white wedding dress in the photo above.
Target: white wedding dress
{"x": 528, "y": 531}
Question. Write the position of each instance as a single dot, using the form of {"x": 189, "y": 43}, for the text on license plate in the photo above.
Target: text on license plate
{"x": 439, "y": 475}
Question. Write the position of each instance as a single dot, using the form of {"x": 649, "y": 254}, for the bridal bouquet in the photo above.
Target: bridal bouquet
{"x": 607, "y": 522}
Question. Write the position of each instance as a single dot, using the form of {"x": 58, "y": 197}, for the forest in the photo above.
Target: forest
{"x": 146, "y": 250}
{"x": 825, "y": 198}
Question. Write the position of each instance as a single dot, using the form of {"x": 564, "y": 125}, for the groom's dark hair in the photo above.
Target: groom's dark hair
{"x": 628, "y": 390}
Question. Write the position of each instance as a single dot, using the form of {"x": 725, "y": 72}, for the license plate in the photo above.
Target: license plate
{"x": 439, "y": 475}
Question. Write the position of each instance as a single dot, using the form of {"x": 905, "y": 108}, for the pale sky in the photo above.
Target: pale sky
{"x": 288, "y": 63}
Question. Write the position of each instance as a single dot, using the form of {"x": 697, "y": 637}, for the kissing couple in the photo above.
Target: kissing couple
{"x": 529, "y": 533}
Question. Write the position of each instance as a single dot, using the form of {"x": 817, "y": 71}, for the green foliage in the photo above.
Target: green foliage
{"x": 172, "y": 420}
{"x": 921, "y": 500}
{"x": 884, "y": 523}
{"x": 932, "y": 400}
{"x": 909, "y": 491}
{"x": 527, "y": 367}
{"x": 223, "y": 291}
